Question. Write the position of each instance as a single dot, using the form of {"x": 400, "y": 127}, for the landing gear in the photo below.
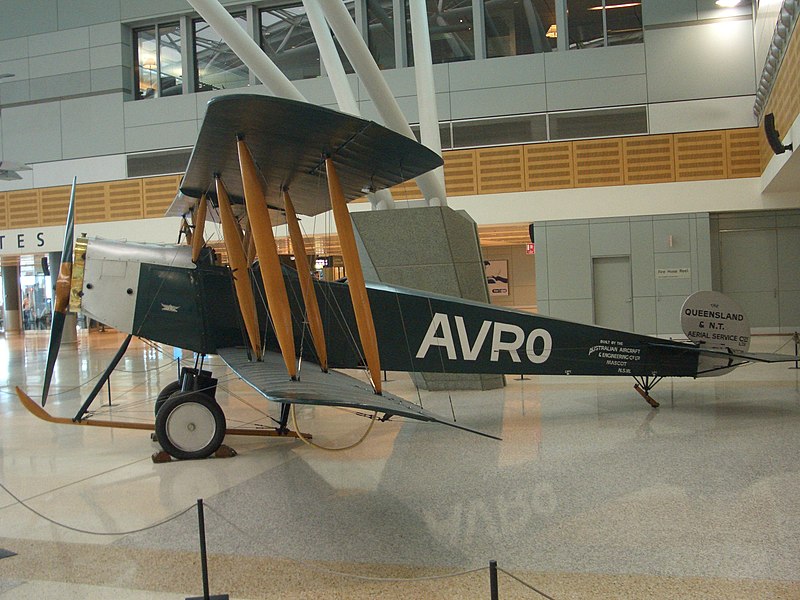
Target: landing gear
{"x": 189, "y": 422}
{"x": 190, "y": 425}
{"x": 644, "y": 384}
{"x": 165, "y": 393}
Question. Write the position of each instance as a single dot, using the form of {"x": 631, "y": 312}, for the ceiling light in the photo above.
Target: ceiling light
{"x": 552, "y": 32}
{"x": 610, "y": 6}
{"x": 728, "y": 3}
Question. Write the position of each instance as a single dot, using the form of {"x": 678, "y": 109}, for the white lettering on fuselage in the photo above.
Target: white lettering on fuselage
{"x": 505, "y": 338}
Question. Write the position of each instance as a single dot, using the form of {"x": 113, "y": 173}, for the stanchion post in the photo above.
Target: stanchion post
{"x": 203, "y": 557}
{"x": 796, "y": 337}
{"x": 493, "y": 591}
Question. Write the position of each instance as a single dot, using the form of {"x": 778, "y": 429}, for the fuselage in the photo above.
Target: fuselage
{"x": 157, "y": 292}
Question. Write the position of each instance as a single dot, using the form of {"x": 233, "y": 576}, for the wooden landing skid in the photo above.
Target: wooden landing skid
{"x": 42, "y": 414}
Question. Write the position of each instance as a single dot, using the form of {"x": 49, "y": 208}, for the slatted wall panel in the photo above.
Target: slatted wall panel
{"x": 742, "y": 151}
{"x": 460, "y": 173}
{"x": 158, "y": 193}
{"x": 220, "y": 251}
{"x": 23, "y": 208}
{"x": 406, "y": 191}
{"x": 700, "y": 156}
{"x": 3, "y": 210}
{"x": 500, "y": 169}
{"x": 648, "y": 159}
{"x": 549, "y": 166}
{"x": 598, "y": 163}
{"x": 784, "y": 100}
{"x": 764, "y": 151}
{"x": 125, "y": 200}
{"x": 91, "y": 203}
{"x": 54, "y": 205}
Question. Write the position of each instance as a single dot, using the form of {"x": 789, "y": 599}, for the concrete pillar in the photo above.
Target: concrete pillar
{"x": 70, "y": 335}
{"x": 12, "y": 315}
{"x": 435, "y": 249}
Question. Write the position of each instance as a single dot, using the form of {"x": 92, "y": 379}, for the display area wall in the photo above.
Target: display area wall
{"x": 581, "y": 267}
{"x": 755, "y": 258}
{"x": 521, "y": 276}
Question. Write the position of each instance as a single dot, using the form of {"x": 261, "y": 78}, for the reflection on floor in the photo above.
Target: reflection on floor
{"x": 591, "y": 493}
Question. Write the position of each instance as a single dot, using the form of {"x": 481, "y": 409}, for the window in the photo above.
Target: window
{"x": 159, "y": 71}
{"x": 380, "y": 32}
{"x": 516, "y": 27}
{"x": 595, "y": 23}
{"x": 216, "y": 66}
{"x": 499, "y": 130}
{"x": 451, "y": 31}
{"x": 287, "y": 39}
{"x": 584, "y": 124}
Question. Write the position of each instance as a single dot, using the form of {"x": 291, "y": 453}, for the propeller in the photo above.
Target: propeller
{"x": 61, "y": 303}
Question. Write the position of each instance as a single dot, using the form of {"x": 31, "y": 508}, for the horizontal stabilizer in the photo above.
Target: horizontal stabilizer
{"x": 766, "y": 357}
{"x": 323, "y": 389}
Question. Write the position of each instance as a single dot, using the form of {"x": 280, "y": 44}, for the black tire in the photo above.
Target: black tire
{"x": 190, "y": 425}
{"x": 165, "y": 393}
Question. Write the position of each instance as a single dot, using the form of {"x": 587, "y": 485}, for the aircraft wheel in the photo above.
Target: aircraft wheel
{"x": 190, "y": 425}
{"x": 165, "y": 393}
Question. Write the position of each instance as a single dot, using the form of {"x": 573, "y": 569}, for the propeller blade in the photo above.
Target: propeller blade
{"x": 61, "y": 303}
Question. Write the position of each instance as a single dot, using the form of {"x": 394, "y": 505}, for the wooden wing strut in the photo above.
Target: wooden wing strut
{"x": 268, "y": 261}
{"x": 239, "y": 266}
{"x": 306, "y": 283}
{"x": 198, "y": 240}
{"x": 355, "y": 276}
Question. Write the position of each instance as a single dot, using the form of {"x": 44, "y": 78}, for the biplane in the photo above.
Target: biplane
{"x": 261, "y": 161}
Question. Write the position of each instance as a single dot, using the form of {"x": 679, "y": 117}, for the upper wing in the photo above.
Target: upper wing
{"x": 289, "y": 141}
{"x": 325, "y": 389}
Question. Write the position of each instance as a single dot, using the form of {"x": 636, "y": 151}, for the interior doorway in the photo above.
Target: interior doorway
{"x": 612, "y": 292}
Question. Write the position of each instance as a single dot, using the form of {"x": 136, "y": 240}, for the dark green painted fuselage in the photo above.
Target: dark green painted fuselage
{"x": 416, "y": 331}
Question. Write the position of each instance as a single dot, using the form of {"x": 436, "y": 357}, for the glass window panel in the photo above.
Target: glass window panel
{"x": 598, "y": 123}
{"x": 216, "y": 65}
{"x": 585, "y": 23}
{"x": 588, "y": 29}
{"x": 381, "y": 32}
{"x": 516, "y": 27}
{"x": 502, "y": 130}
{"x": 444, "y": 134}
{"x": 287, "y": 39}
{"x": 451, "y": 31}
{"x": 624, "y": 24}
{"x": 169, "y": 53}
{"x": 146, "y": 63}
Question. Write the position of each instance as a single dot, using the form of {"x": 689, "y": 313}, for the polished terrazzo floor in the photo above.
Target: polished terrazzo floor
{"x": 591, "y": 493}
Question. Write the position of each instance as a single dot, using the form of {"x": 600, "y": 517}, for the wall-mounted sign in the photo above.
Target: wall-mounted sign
{"x": 496, "y": 277}
{"x": 674, "y": 273}
{"x": 530, "y": 248}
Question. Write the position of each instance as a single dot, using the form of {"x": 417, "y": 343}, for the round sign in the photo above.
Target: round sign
{"x": 713, "y": 320}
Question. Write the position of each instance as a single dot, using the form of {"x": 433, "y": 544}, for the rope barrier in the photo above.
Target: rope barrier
{"x": 313, "y": 567}
{"x": 307, "y": 441}
{"x": 88, "y": 531}
{"x": 305, "y": 564}
{"x": 527, "y": 585}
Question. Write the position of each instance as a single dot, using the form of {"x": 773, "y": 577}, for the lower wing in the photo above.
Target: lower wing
{"x": 316, "y": 387}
